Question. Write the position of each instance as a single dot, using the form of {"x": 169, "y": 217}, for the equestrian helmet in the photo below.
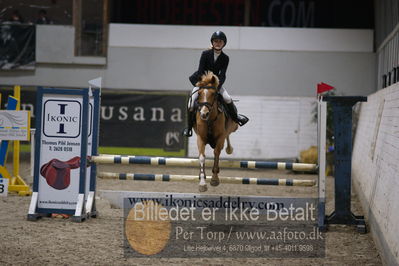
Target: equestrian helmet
{"x": 219, "y": 35}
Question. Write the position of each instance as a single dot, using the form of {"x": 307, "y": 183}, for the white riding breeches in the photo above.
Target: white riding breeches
{"x": 226, "y": 97}
{"x": 194, "y": 95}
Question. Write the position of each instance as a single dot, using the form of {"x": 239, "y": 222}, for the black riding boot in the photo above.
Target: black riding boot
{"x": 239, "y": 119}
{"x": 190, "y": 122}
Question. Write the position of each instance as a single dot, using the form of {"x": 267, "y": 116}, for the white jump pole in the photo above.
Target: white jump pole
{"x": 194, "y": 178}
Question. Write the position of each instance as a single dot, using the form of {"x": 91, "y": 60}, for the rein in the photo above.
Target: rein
{"x": 207, "y": 104}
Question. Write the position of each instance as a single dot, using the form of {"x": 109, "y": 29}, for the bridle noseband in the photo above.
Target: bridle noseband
{"x": 207, "y": 104}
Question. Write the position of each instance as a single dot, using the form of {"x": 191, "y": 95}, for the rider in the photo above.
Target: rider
{"x": 216, "y": 61}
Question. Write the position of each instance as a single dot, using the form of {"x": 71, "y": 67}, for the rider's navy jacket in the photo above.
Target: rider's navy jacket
{"x": 207, "y": 63}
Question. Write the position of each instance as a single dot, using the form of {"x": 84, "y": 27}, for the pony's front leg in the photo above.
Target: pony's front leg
{"x": 215, "y": 170}
{"x": 202, "y": 176}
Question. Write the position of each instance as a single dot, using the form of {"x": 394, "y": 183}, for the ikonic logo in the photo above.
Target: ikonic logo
{"x": 62, "y": 119}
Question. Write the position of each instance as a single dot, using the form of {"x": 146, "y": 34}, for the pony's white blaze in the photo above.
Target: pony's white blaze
{"x": 204, "y": 110}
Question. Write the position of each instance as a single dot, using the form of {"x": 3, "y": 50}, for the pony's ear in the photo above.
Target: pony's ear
{"x": 213, "y": 80}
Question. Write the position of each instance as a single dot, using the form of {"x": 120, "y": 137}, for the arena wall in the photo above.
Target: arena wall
{"x": 279, "y": 128}
{"x": 264, "y": 61}
{"x": 375, "y": 168}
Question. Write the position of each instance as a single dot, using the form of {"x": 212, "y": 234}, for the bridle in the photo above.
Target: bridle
{"x": 207, "y": 104}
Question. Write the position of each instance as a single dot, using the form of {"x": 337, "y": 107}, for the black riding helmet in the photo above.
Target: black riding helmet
{"x": 219, "y": 35}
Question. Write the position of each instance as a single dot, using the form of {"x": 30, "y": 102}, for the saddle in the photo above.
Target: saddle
{"x": 222, "y": 106}
{"x": 58, "y": 173}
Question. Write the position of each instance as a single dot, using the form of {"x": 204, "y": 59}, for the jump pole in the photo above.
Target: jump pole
{"x": 128, "y": 159}
{"x": 193, "y": 178}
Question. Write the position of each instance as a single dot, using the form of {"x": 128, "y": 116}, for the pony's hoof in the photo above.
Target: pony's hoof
{"x": 215, "y": 182}
{"x": 202, "y": 188}
{"x": 229, "y": 150}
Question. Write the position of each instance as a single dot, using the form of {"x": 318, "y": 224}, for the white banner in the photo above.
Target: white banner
{"x": 14, "y": 125}
{"x": 60, "y": 151}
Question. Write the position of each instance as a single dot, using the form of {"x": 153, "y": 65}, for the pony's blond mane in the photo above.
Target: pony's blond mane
{"x": 208, "y": 78}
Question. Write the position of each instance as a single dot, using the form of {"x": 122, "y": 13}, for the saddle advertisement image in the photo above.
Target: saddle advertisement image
{"x": 192, "y": 225}
{"x": 60, "y": 149}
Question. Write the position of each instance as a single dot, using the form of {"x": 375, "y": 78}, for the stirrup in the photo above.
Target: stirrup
{"x": 242, "y": 120}
{"x": 188, "y": 132}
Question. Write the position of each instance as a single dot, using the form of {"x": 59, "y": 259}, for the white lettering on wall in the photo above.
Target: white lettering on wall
{"x": 104, "y": 115}
{"x": 176, "y": 115}
{"x": 122, "y": 113}
{"x": 155, "y": 111}
{"x": 138, "y": 114}
{"x": 172, "y": 138}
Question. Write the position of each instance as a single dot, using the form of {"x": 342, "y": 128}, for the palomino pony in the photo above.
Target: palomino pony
{"x": 212, "y": 126}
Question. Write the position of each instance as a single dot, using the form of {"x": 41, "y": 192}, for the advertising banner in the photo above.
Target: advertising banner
{"x": 60, "y": 150}
{"x": 128, "y": 119}
{"x": 177, "y": 225}
{"x": 270, "y": 13}
{"x": 66, "y": 135}
{"x": 14, "y": 125}
{"x": 61, "y": 139}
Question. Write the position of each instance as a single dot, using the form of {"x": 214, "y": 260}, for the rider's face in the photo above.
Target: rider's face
{"x": 217, "y": 44}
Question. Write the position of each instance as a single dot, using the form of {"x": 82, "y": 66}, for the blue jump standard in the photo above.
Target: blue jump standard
{"x": 342, "y": 120}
